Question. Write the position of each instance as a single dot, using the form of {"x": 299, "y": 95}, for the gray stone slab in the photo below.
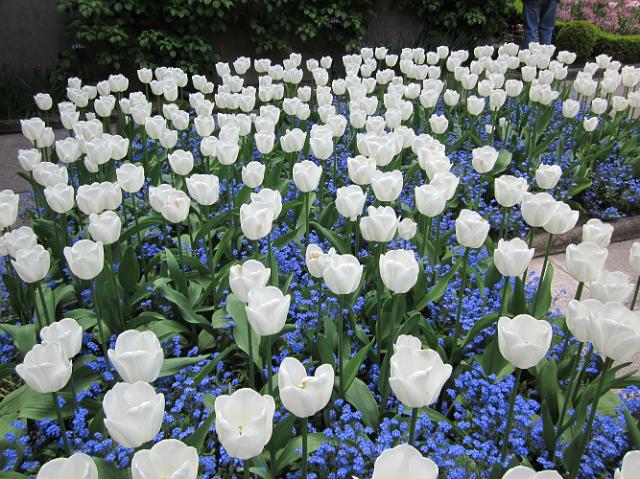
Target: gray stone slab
{"x": 9, "y": 166}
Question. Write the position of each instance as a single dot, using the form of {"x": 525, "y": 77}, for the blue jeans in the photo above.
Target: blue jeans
{"x": 539, "y": 21}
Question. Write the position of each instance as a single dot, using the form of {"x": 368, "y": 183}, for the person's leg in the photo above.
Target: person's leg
{"x": 531, "y": 13}
{"x": 548, "y": 21}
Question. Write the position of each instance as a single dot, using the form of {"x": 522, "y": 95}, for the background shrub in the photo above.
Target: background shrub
{"x": 578, "y": 36}
{"x": 625, "y": 48}
{"x": 122, "y": 34}
{"x": 588, "y": 40}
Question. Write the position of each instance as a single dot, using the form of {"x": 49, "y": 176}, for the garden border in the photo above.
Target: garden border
{"x": 625, "y": 229}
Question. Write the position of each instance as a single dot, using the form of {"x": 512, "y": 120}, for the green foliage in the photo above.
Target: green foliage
{"x": 587, "y": 39}
{"x": 578, "y": 36}
{"x": 125, "y": 33}
{"x": 625, "y": 48}
{"x": 484, "y": 19}
{"x": 119, "y": 33}
{"x": 337, "y": 22}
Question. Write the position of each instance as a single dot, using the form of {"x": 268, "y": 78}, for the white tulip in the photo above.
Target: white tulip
{"x": 484, "y": 158}
{"x": 595, "y": 231}
{"x": 547, "y": 176}
{"x": 168, "y": 458}
{"x": 510, "y": 190}
{"x": 253, "y": 174}
{"x": 416, "y": 375}
{"x": 523, "y": 472}
{"x": 45, "y": 368}
{"x": 205, "y": 189}
{"x": 105, "y": 227}
{"x": 387, "y": 186}
{"x": 267, "y": 309}
{"x": 380, "y": 224}
{"x": 630, "y": 466}
{"x": 256, "y": 220}
{"x": 585, "y": 261}
{"x": 133, "y": 413}
{"x": 404, "y": 462}
{"x": 85, "y": 258}
{"x": 524, "y": 340}
{"x": 32, "y": 263}
{"x": 247, "y": 276}
{"x": 137, "y": 356}
{"x": 342, "y": 273}
{"x": 407, "y": 229}
{"x": 306, "y": 175}
{"x": 304, "y": 395}
{"x": 471, "y": 229}
{"x": 512, "y": 258}
{"x": 244, "y": 422}
{"x": 77, "y": 466}
{"x": 562, "y": 220}
{"x": 610, "y": 286}
{"x": 537, "y": 209}
{"x": 399, "y": 270}
{"x": 350, "y": 201}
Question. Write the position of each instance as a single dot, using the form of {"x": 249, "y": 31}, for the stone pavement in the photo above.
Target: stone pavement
{"x": 564, "y": 286}
{"x": 9, "y": 167}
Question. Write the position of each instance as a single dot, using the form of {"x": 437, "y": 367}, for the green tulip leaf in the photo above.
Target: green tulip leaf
{"x": 361, "y": 397}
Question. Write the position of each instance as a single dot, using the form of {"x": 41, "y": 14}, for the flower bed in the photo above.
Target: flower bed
{"x": 231, "y": 308}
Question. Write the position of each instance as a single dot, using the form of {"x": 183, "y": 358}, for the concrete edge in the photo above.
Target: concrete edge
{"x": 627, "y": 228}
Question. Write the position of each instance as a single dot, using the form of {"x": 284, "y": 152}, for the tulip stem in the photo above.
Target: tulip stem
{"x": 565, "y": 329}
{"x": 307, "y": 211}
{"x": 305, "y": 450}
{"x": 63, "y": 429}
{"x": 340, "y": 346}
{"x": 542, "y": 273}
{"x": 572, "y": 384}
{"x": 250, "y": 346}
{"x": 270, "y": 260}
{"x": 582, "y": 444}
{"x": 505, "y": 290}
{"x": 45, "y": 309}
{"x": 504, "y": 226}
{"x": 463, "y": 286}
{"x": 245, "y": 469}
{"x": 179, "y": 245}
{"x": 109, "y": 255}
{"x": 103, "y": 343}
{"x": 319, "y": 312}
{"x": 427, "y": 234}
{"x": 135, "y": 222}
{"x": 529, "y": 237}
{"x": 268, "y": 363}
{"x": 635, "y": 295}
{"x": 437, "y": 241}
{"x": 208, "y": 243}
{"x": 378, "y": 301}
{"x": 583, "y": 371}
{"x": 510, "y": 415}
{"x": 412, "y": 426}
{"x": 384, "y": 387}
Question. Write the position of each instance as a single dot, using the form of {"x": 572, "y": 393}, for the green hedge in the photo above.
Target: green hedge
{"x": 121, "y": 34}
{"x": 589, "y": 40}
